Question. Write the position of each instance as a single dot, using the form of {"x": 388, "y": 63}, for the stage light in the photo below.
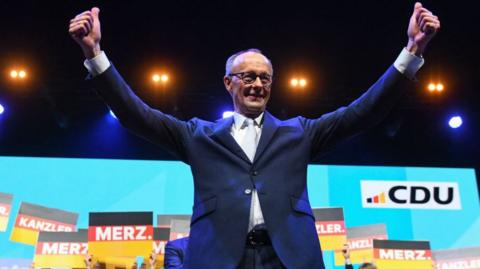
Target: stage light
{"x": 14, "y": 74}
{"x": 22, "y": 74}
{"x": 113, "y": 114}
{"x": 455, "y": 122}
{"x": 298, "y": 82}
{"x": 294, "y": 82}
{"x": 227, "y": 114}
{"x": 439, "y": 87}
{"x": 302, "y": 82}
{"x": 2, "y": 109}
{"x": 160, "y": 78}
{"x": 435, "y": 87}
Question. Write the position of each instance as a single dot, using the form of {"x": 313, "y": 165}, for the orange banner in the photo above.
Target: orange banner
{"x": 114, "y": 262}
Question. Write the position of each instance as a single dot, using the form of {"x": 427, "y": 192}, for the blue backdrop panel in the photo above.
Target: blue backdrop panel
{"x": 86, "y": 185}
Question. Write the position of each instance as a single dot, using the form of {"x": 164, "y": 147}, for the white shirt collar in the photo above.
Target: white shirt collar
{"x": 238, "y": 120}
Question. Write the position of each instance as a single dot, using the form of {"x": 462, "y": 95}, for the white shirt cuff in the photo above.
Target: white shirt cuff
{"x": 97, "y": 64}
{"x": 408, "y": 63}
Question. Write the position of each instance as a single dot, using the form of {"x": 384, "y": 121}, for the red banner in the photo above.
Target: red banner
{"x": 402, "y": 254}
{"x": 330, "y": 227}
{"x": 120, "y": 233}
{"x": 39, "y": 224}
{"x": 4, "y": 210}
{"x": 61, "y": 248}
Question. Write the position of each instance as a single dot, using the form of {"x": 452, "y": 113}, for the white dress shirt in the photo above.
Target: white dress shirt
{"x": 238, "y": 133}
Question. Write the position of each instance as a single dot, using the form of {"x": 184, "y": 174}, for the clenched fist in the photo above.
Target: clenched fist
{"x": 422, "y": 28}
{"x": 85, "y": 30}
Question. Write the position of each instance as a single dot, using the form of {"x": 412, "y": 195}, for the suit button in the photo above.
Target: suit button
{"x": 254, "y": 173}
{"x": 247, "y": 191}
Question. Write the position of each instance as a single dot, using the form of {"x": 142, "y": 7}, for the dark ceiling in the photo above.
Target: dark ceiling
{"x": 340, "y": 46}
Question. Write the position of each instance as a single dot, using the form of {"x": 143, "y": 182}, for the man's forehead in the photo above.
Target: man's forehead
{"x": 250, "y": 57}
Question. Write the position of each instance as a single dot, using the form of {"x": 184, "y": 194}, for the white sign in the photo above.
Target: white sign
{"x": 410, "y": 194}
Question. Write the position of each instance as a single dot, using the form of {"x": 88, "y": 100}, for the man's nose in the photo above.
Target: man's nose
{"x": 257, "y": 82}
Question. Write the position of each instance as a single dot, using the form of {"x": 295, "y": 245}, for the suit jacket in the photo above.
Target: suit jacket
{"x": 223, "y": 175}
{"x": 175, "y": 253}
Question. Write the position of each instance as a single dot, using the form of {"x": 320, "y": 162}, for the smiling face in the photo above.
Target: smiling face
{"x": 249, "y": 99}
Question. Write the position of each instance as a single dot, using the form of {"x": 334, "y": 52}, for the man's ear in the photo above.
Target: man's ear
{"x": 227, "y": 81}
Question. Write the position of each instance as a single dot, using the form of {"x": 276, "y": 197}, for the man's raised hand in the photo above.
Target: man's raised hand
{"x": 422, "y": 28}
{"x": 85, "y": 30}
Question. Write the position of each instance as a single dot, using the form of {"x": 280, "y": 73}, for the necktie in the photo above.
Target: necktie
{"x": 250, "y": 140}
{"x": 249, "y": 146}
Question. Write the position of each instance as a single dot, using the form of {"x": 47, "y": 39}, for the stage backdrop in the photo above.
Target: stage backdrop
{"x": 414, "y": 203}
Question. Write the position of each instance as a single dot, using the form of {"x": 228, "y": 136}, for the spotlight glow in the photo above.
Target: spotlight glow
{"x": 455, "y": 122}
{"x": 2, "y": 109}
{"x": 160, "y": 78}
{"x": 13, "y": 74}
{"x": 302, "y": 82}
{"x": 113, "y": 114}
{"x": 435, "y": 87}
{"x": 227, "y": 114}
{"x": 16, "y": 74}
{"x": 22, "y": 74}
{"x": 294, "y": 82}
{"x": 440, "y": 87}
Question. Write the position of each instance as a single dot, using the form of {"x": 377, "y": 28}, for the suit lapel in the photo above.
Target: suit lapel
{"x": 222, "y": 134}
{"x": 269, "y": 128}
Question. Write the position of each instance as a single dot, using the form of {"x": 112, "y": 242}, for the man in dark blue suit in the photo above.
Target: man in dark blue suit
{"x": 251, "y": 207}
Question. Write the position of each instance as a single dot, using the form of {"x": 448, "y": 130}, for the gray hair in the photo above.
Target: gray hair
{"x": 231, "y": 59}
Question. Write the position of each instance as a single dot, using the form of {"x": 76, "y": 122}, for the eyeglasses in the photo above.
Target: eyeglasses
{"x": 251, "y": 77}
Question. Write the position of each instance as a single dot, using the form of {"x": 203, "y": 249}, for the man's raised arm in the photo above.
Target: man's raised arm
{"x": 373, "y": 106}
{"x": 132, "y": 112}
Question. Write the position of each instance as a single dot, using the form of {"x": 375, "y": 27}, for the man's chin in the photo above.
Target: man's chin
{"x": 257, "y": 102}
{"x": 255, "y": 110}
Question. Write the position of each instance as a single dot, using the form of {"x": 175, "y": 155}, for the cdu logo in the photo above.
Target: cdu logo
{"x": 410, "y": 194}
